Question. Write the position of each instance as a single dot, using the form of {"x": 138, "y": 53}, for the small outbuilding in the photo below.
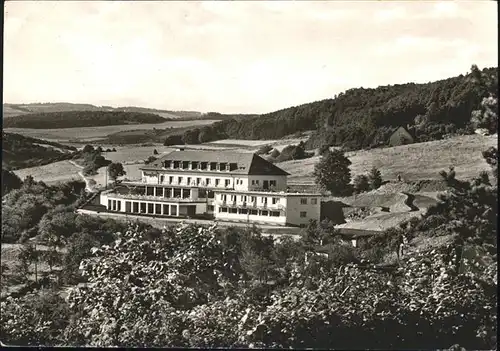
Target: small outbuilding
{"x": 400, "y": 137}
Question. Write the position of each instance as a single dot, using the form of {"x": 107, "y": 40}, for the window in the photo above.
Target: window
{"x": 198, "y": 181}
{"x": 254, "y": 212}
{"x": 233, "y": 197}
{"x": 303, "y": 201}
{"x": 207, "y": 181}
{"x": 222, "y": 209}
{"x": 243, "y": 211}
{"x": 252, "y": 199}
{"x": 257, "y": 182}
{"x": 233, "y": 210}
{"x": 303, "y": 214}
{"x": 179, "y": 180}
{"x": 243, "y": 198}
{"x": 275, "y": 200}
{"x": 224, "y": 197}
{"x": 275, "y": 213}
{"x": 217, "y": 181}
{"x": 170, "y": 180}
{"x": 226, "y": 182}
{"x": 162, "y": 178}
{"x": 189, "y": 181}
{"x": 253, "y": 182}
{"x": 272, "y": 183}
{"x": 314, "y": 201}
{"x": 194, "y": 165}
{"x": 210, "y": 208}
{"x": 263, "y": 213}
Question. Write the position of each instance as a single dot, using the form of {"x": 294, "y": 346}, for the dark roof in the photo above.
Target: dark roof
{"x": 248, "y": 163}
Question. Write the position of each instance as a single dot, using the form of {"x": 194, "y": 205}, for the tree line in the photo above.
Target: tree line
{"x": 364, "y": 118}
{"x": 76, "y": 119}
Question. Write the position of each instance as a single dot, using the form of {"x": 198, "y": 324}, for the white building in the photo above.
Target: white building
{"x": 223, "y": 185}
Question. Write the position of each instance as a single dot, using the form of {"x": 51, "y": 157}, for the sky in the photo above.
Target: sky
{"x": 235, "y": 56}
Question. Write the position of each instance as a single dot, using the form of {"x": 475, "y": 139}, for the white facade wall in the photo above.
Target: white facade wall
{"x": 187, "y": 178}
{"x": 226, "y": 216}
{"x": 238, "y": 199}
{"x": 295, "y": 207}
{"x": 256, "y": 182}
{"x": 119, "y": 204}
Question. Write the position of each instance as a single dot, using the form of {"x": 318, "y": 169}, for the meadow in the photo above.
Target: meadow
{"x": 413, "y": 162}
{"x": 94, "y": 134}
{"x": 52, "y": 173}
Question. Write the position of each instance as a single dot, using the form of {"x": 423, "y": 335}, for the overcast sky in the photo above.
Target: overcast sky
{"x": 241, "y": 57}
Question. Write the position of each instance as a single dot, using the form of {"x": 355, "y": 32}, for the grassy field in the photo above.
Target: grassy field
{"x": 61, "y": 171}
{"x": 413, "y": 162}
{"x": 93, "y": 134}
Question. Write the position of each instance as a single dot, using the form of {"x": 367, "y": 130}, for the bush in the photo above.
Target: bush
{"x": 264, "y": 150}
{"x": 361, "y": 183}
{"x": 174, "y": 140}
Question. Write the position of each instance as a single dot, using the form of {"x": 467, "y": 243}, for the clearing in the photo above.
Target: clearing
{"x": 56, "y": 172}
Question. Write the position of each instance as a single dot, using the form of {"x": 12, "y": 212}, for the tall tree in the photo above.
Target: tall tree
{"x": 116, "y": 170}
{"x": 375, "y": 178}
{"x": 333, "y": 174}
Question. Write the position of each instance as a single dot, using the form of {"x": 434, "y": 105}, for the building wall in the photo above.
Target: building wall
{"x": 295, "y": 207}
{"x": 225, "y": 180}
{"x": 250, "y": 199}
{"x": 256, "y": 182}
{"x": 226, "y": 216}
{"x": 120, "y": 205}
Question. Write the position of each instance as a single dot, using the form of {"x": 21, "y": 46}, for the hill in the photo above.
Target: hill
{"x": 21, "y": 152}
{"x": 13, "y": 110}
{"x": 75, "y": 119}
{"x": 361, "y": 118}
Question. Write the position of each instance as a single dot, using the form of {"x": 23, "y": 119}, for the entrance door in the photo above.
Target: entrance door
{"x": 266, "y": 184}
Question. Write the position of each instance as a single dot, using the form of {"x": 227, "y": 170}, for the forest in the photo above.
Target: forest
{"x": 75, "y": 119}
{"x": 211, "y": 286}
{"x": 364, "y": 118}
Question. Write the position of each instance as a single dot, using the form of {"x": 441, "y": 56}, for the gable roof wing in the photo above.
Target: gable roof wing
{"x": 248, "y": 163}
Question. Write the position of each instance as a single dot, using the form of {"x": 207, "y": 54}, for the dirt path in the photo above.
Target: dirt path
{"x": 88, "y": 187}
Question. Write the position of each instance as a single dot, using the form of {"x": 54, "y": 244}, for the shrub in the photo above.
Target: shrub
{"x": 361, "y": 183}
{"x": 264, "y": 150}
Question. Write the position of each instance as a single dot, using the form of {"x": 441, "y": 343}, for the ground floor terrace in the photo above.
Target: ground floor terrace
{"x": 163, "y": 191}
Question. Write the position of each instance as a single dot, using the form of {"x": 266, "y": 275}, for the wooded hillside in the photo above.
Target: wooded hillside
{"x": 362, "y": 117}
{"x": 20, "y": 152}
{"x": 75, "y": 119}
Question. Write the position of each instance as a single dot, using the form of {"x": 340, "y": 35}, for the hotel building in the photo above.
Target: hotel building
{"x": 221, "y": 185}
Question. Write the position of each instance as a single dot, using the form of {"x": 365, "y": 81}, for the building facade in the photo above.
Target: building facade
{"x": 214, "y": 184}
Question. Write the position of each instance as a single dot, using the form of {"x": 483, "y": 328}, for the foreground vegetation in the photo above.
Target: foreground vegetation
{"x": 191, "y": 286}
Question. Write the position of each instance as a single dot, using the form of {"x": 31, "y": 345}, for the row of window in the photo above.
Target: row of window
{"x": 199, "y": 181}
{"x": 249, "y": 212}
{"x": 245, "y": 198}
{"x": 303, "y": 201}
{"x": 257, "y": 182}
{"x": 204, "y": 166}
